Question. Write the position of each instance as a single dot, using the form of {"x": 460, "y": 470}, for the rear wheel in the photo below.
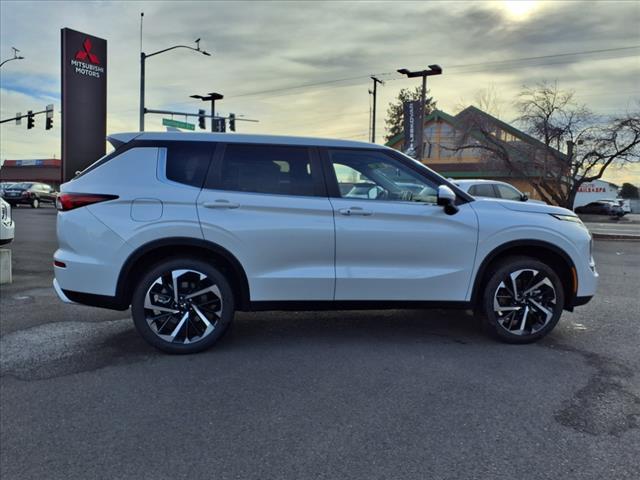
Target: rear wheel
{"x": 182, "y": 305}
{"x": 35, "y": 203}
{"x": 523, "y": 300}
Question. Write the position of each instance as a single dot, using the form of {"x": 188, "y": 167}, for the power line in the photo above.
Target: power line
{"x": 467, "y": 65}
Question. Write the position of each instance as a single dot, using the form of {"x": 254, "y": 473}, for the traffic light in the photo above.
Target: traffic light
{"x": 232, "y": 122}
{"x": 201, "y": 120}
{"x": 30, "y": 120}
{"x": 49, "y": 121}
{"x": 219, "y": 125}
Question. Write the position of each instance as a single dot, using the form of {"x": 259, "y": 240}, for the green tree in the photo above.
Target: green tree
{"x": 629, "y": 190}
{"x": 395, "y": 112}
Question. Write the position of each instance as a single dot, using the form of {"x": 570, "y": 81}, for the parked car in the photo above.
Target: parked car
{"x": 30, "y": 193}
{"x": 7, "y": 226}
{"x": 494, "y": 189}
{"x": 602, "y": 207}
{"x": 364, "y": 190}
{"x": 625, "y": 205}
{"x": 374, "y": 192}
{"x": 188, "y": 228}
{"x": 3, "y": 186}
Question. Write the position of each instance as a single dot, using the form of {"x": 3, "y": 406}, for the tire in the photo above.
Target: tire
{"x": 35, "y": 203}
{"x": 178, "y": 327}
{"x": 530, "y": 314}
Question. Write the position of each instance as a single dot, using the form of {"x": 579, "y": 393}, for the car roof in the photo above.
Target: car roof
{"x": 120, "y": 138}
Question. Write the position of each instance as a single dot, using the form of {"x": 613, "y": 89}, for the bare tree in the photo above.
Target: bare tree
{"x": 567, "y": 144}
{"x": 488, "y": 100}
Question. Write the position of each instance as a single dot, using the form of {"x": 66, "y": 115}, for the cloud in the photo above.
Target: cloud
{"x": 265, "y": 46}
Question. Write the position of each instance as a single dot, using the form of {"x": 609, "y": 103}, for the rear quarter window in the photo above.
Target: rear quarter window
{"x": 187, "y": 162}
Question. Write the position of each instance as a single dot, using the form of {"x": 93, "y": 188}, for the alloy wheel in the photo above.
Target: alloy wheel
{"x": 183, "y": 306}
{"x": 524, "y": 302}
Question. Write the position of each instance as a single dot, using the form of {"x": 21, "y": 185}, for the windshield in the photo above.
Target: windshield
{"x": 23, "y": 185}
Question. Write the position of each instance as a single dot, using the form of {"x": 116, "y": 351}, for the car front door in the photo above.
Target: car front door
{"x": 267, "y": 205}
{"x": 400, "y": 245}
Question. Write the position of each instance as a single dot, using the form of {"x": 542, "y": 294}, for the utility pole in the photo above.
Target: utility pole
{"x": 213, "y": 96}
{"x": 433, "y": 70}
{"x": 376, "y": 81}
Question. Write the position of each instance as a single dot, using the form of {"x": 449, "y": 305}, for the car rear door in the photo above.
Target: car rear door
{"x": 400, "y": 245}
{"x": 267, "y": 205}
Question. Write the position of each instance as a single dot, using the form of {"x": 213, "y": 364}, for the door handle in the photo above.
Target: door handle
{"x": 220, "y": 204}
{"x": 355, "y": 211}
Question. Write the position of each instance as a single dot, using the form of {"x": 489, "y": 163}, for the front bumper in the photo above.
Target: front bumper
{"x": 582, "y": 300}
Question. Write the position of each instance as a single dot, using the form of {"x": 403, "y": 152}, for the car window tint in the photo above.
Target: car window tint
{"x": 374, "y": 175}
{"x": 508, "y": 193}
{"x": 272, "y": 169}
{"x": 482, "y": 190}
{"x": 187, "y": 162}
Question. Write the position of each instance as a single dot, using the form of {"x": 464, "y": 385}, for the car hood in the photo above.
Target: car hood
{"x": 527, "y": 207}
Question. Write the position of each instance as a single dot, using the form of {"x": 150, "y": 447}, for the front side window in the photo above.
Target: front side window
{"x": 374, "y": 175}
{"x": 187, "y": 162}
{"x": 271, "y": 169}
{"x": 508, "y": 193}
{"x": 482, "y": 190}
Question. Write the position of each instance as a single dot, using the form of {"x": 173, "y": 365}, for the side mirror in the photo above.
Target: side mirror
{"x": 524, "y": 197}
{"x": 447, "y": 199}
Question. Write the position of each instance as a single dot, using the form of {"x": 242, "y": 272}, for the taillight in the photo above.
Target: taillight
{"x": 69, "y": 201}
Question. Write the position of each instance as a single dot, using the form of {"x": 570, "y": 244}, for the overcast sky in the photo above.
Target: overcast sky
{"x": 303, "y": 68}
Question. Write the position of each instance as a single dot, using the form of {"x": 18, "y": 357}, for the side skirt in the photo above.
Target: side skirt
{"x": 309, "y": 306}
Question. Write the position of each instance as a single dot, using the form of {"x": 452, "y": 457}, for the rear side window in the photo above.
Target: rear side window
{"x": 187, "y": 162}
{"x": 272, "y": 169}
{"x": 482, "y": 190}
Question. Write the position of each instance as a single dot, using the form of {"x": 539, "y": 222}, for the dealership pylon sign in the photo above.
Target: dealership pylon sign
{"x": 84, "y": 100}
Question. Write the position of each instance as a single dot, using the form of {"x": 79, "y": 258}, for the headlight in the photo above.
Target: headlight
{"x": 567, "y": 218}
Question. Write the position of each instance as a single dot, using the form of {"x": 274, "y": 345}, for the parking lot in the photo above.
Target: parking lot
{"x": 383, "y": 394}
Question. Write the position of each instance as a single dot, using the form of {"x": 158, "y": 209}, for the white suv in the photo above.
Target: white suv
{"x": 187, "y": 228}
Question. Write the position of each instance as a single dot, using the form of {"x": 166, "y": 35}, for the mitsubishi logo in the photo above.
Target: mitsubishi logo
{"x": 86, "y": 53}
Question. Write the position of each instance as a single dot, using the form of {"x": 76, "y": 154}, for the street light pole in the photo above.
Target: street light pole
{"x": 15, "y": 56}
{"x": 213, "y": 96}
{"x": 143, "y": 58}
{"x": 373, "y": 120}
{"x": 433, "y": 70}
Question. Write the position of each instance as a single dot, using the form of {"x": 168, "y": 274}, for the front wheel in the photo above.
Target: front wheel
{"x": 182, "y": 305}
{"x": 522, "y": 300}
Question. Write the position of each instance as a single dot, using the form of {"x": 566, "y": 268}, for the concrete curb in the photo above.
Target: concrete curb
{"x": 611, "y": 236}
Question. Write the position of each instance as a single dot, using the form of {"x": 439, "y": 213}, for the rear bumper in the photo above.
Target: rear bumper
{"x": 60, "y": 293}
{"x": 92, "y": 300}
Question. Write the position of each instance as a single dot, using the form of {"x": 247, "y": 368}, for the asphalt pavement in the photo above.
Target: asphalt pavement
{"x": 335, "y": 395}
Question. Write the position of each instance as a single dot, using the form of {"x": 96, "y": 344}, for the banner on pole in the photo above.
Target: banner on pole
{"x": 412, "y": 128}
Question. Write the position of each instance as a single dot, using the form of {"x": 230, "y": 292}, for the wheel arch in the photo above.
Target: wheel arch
{"x": 546, "y": 252}
{"x": 150, "y": 253}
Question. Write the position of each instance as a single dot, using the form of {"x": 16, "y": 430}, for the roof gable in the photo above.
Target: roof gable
{"x": 525, "y": 137}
